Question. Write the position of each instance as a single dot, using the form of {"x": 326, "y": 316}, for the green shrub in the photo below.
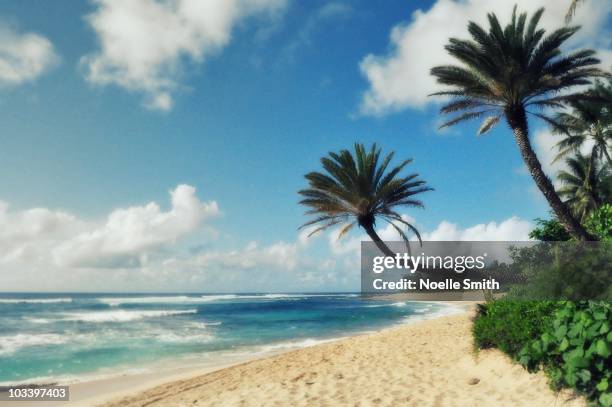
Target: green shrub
{"x": 575, "y": 350}
{"x": 564, "y": 271}
{"x": 549, "y": 230}
{"x": 600, "y": 222}
{"x": 510, "y": 325}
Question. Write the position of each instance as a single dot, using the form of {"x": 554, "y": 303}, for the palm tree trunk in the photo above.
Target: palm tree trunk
{"x": 517, "y": 120}
{"x": 377, "y": 240}
{"x": 605, "y": 151}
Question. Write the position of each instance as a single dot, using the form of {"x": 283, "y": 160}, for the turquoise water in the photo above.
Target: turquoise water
{"x": 66, "y": 336}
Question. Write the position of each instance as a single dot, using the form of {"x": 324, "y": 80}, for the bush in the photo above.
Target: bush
{"x": 549, "y": 230}
{"x": 571, "y": 341}
{"x": 575, "y": 350}
{"x": 563, "y": 271}
{"x": 511, "y": 325}
{"x": 600, "y": 222}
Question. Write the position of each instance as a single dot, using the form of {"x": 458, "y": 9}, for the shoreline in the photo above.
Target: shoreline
{"x": 101, "y": 387}
{"x": 429, "y": 362}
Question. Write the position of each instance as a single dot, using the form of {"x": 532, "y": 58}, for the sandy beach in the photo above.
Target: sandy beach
{"x": 428, "y": 363}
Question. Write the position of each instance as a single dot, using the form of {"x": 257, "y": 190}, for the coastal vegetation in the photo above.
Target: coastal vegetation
{"x": 509, "y": 72}
{"x": 359, "y": 189}
{"x": 570, "y": 341}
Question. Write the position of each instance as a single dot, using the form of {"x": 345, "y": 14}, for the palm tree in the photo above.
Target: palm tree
{"x": 586, "y": 185}
{"x": 589, "y": 120}
{"x": 508, "y": 70}
{"x": 358, "y": 189}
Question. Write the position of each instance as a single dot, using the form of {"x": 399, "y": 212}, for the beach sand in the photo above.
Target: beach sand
{"x": 428, "y": 363}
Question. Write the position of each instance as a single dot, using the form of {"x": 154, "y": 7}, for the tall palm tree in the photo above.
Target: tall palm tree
{"x": 586, "y": 185}
{"x": 589, "y": 120}
{"x": 359, "y": 189}
{"x": 507, "y": 70}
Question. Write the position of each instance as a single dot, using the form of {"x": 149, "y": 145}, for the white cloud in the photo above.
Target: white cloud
{"x": 147, "y": 248}
{"x": 129, "y": 234}
{"x": 144, "y": 44}
{"x": 401, "y": 79}
{"x": 23, "y": 56}
{"x": 511, "y": 229}
{"x": 44, "y": 238}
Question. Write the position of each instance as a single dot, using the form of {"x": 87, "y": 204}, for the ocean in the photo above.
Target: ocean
{"x": 64, "y": 338}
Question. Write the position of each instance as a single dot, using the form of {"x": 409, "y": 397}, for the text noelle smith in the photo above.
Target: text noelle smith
{"x": 426, "y": 284}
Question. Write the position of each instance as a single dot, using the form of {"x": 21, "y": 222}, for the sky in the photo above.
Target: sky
{"x": 159, "y": 145}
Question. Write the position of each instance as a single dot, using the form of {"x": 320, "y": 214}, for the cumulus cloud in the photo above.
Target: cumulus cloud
{"x": 27, "y": 236}
{"x": 144, "y": 44}
{"x": 42, "y": 237}
{"x": 23, "y": 56}
{"x": 128, "y": 234}
{"x": 400, "y": 78}
{"x": 511, "y": 229}
{"x": 145, "y": 247}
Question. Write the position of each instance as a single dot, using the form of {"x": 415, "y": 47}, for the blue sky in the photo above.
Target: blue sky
{"x": 239, "y": 116}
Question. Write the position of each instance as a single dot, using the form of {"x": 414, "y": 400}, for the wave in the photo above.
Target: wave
{"x": 121, "y": 315}
{"x": 182, "y": 337}
{"x": 180, "y": 299}
{"x": 10, "y": 344}
{"x": 270, "y": 296}
{"x": 302, "y": 343}
{"x": 395, "y": 304}
{"x": 426, "y": 314}
{"x": 185, "y": 299}
{"x": 33, "y": 300}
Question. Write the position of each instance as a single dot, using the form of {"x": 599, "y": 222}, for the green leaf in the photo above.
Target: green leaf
{"x": 606, "y": 399}
{"x": 602, "y": 385}
{"x": 600, "y": 316}
{"x": 577, "y": 362}
{"x": 564, "y": 345}
{"x": 584, "y": 375}
{"x": 602, "y": 348}
{"x": 561, "y": 331}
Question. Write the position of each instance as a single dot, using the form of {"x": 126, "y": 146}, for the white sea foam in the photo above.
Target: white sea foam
{"x": 204, "y": 325}
{"x": 221, "y": 297}
{"x": 180, "y": 299}
{"x": 276, "y": 296}
{"x": 10, "y": 344}
{"x": 183, "y": 337}
{"x": 38, "y": 320}
{"x": 425, "y": 314}
{"x": 121, "y": 315}
{"x": 301, "y": 343}
{"x": 33, "y": 300}
{"x": 395, "y": 304}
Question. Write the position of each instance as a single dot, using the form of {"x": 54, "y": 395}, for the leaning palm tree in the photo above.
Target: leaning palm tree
{"x": 588, "y": 121}
{"x": 359, "y": 189}
{"x": 586, "y": 185}
{"x": 507, "y": 70}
